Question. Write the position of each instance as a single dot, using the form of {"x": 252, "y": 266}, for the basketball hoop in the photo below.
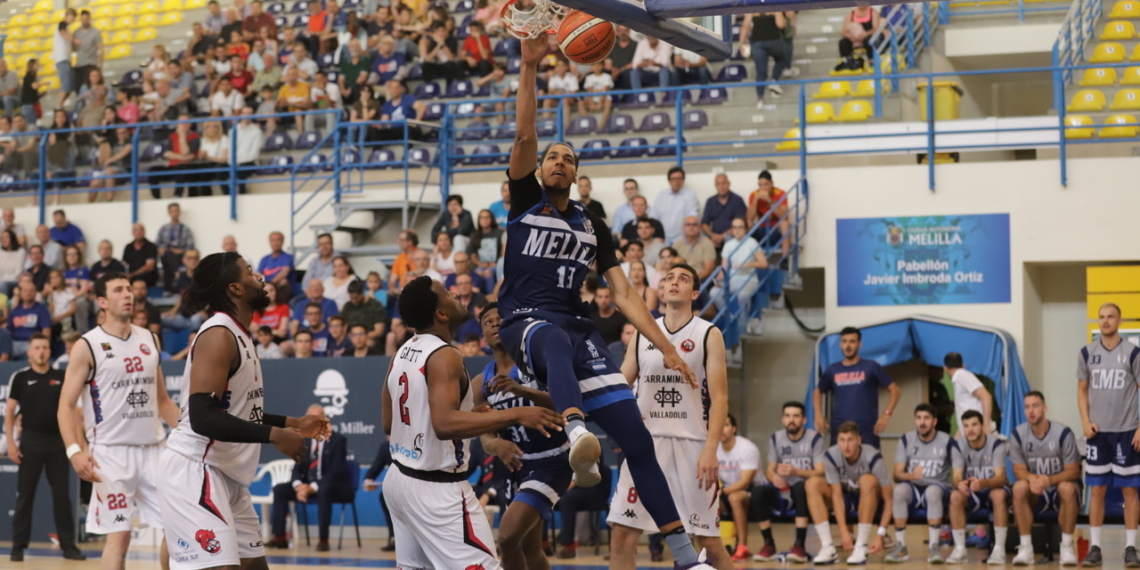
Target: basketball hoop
{"x": 526, "y": 24}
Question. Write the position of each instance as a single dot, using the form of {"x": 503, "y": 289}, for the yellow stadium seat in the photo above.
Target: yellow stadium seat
{"x": 855, "y": 111}
{"x": 1118, "y": 30}
{"x": 1108, "y": 52}
{"x": 48, "y": 43}
{"x": 18, "y": 21}
{"x": 123, "y": 23}
{"x": 58, "y": 15}
{"x": 1131, "y": 76}
{"x": 1126, "y": 100}
{"x": 121, "y": 37}
{"x": 866, "y": 88}
{"x": 1125, "y": 9}
{"x": 147, "y": 20}
{"x": 35, "y": 32}
{"x": 170, "y": 18}
{"x": 15, "y": 34}
{"x": 820, "y": 112}
{"x": 1098, "y": 77}
{"x": 125, "y": 10}
{"x": 31, "y": 46}
{"x": 47, "y": 66}
{"x": 39, "y": 18}
{"x": 102, "y": 24}
{"x": 22, "y": 62}
{"x": 1078, "y": 121}
{"x": 49, "y": 83}
{"x": 145, "y": 35}
{"x": 104, "y": 12}
{"x": 1087, "y": 100}
{"x": 791, "y": 140}
{"x": 194, "y": 4}
{"x": 148, "y": 8}
{"x": 171, "y": 5}
{"x": 1124, "y": 127}
{"x": 119, "y": 52}
{"x": 833, "y": 90}
{"x": 43, "y": 6}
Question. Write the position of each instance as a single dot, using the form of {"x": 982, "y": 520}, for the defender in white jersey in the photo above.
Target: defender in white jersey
{"x": 427, "y": 415}
{"x": 211, "y": 457}
{"x": 114, "y": 367}
{"x": 686, "y": 424}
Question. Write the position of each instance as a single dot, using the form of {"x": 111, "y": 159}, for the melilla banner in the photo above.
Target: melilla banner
{"x": 923, "y": 260}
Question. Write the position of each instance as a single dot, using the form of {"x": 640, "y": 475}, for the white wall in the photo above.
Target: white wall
{"x": 1018, "y": 38}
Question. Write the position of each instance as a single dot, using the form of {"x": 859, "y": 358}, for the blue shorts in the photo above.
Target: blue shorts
{"x": 980, "y": 500}
{"x": 541, "y": 483}
{"x": 918, "y": 496}
{"x": 1112, "y": 460}
{"x": 599, "y": 376}
{"x": 1050, "y": 504}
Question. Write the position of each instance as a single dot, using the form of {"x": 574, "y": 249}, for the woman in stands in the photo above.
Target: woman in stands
{"x": 12, "y": 258}
{"x": 336, "y": 287}
{"x": 276, "y": 315}
{"x": 640, "y": 283}
{"x": 114, "y": 162}
{"x": 485, "y": 249}
{"x": 858, "y": 27}
{"x": 443, "y": 256}
{"x": 61, "y": 151}
{"x": 213, "y": 152}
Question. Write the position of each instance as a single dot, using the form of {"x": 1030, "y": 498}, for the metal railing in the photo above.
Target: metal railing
{"x": 1021, "y": 8}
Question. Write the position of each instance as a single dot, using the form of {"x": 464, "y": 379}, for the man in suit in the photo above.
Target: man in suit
{"x": 322, "y": 477}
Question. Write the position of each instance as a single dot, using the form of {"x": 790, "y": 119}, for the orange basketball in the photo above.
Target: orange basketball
{"x": 585, "y": 39}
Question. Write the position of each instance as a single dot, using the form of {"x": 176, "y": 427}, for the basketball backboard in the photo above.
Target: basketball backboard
{"x": 676, "y": 32}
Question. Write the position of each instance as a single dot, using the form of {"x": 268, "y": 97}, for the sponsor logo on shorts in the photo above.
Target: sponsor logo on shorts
{"x": 144, "y": 349}
{"x": 629, "y": 514}
{"x": 688, "y": 345}
{"x": 120, "y": 518}
{"x": 208, "y": 541}
{"x": 257, "y": 544}
{"x": 183, "y": 553}
{"x": 695, "y": 522}
{"x": 183, "y": 545}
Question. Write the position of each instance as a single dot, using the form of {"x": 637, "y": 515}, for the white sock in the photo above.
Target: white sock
{"x": 959, "y": 537}
{"x": 1094, "y": 536}
{"x": 1066, "y": 540}
{"x": 823, "y": 529}
{"x": 864, "y": 532}
{"x": 934, "y": 535}
{"x": 1027, "y": 541}
{"x": 900, "y": 536}
{"x": 1129, "y": 537}
{"x": 999, "y": 536}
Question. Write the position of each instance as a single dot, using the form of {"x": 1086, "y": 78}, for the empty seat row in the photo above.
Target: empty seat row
{"x": 840, "y": 89}
{"x": 618, "y": 123}
{"x": 633, "y": 147}
{"x": 101, "y": 24}
{"x": 1091, "y": 100}
{"x": 851, "y": 112}
{"x": 1107, "y": 77}
{"x": 1118, "y": 30}
{"x": 1116, "y": 126}
{"x": 1125, "y": 9}
{"x": 1113, "y": 52}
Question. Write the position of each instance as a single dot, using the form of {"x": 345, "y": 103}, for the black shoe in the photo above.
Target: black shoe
{"x": 17, "y": 555}
{"x": 322, "y": 546}
{"x": 390, "y": 547}
{"x": 1094, "y": 558}
{"x": 1131, "y": 559}
{"x": 73, "y": 553}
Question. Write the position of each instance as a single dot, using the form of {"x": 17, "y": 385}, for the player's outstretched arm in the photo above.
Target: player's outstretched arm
{"x": 524, "y": 153}
{"x": 444, "y": 371}
{"x": 207, "y": 387}
{"x": 708, "y": 467}
{"x": 631, "y": 305}
{"x": 79, "y": 367}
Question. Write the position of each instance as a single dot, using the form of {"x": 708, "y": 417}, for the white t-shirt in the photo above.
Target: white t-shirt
{"x": 743, "y": 456}
{"x": 600, "y": 82}
{"x": 965, "y": 383}
{"x": 331, "y": 92}
{"x": 567, "y": 83}
{"x": 216, "y": 149}
{"x": 60, "y": 47}
{"x": 692, "y": 57}
{"x": 227, "y": 104}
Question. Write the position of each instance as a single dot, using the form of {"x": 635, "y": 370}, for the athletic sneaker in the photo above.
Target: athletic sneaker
{"x": 957, "y": 556}
{"x": 1131, "y": 560}
{"x": 766, "y": 554}
{"x": 584, "y": 453}
{"x": 997, "y": 557}
{"x": 1024, "y": 556}
{"x": 798, "y": 555}
{"x": 827, "y": 555}
{"x": 935, "y": 555}
{"x": 776, "y": 90}
{"x": 897, "y": 554}
{"x": 858, "y": 555}
{"x": 1068, "y": 557}
{"x": 741, "y": 553}
{"x": 1094, "y": 557}
{"x": 698, "y": 565}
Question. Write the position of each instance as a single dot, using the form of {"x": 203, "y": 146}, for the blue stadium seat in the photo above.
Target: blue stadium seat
{"x": 276, "y": 8}
{"x": 280, "y": 164}
{"x": 506, "y": 131}
{"x": 547, "y": 128}
{"x": 349, "y": 157}
{"x": 475, "y": 131}
{"x": 8, "y": 183}
{"x": 500, "y": 49}
{"x": 712, "y": 96}
{"x": 514, "y": 64}
{"x": 333, "y": 75}
{"x": 434, "y": 111}
{"x": 132, "y": 77}
{"x": 313, "y": 163}
{"x": 484, "y": 149}
{"x": 278, "y": 141}
{"x": 350, "y": 5}
{"x": 427, "y": 90}
{"x": 637, "y": 146}
{"x": 326, "y": 61}
{"x": 281, "y": 21}
{"x": 461, "y": 29}
{"x": 732, "y": 73}
{"x": 459, "y": 89}
{"x": 458, "y": 153}
{"x": 671, "y": 97}
{"x": 416, "y": 73}
{"x": 483, "y": 92}
{"x": 301, "y": 21}
{"x": 307, "y": 140}
{"x": 639, "y": 101}
{"x": 594, "y": 149}
{"x": 617, "y": 124}
{"x": 581, "y": 126}
{"x": 418, "y": 156}
{"x": 152, "y": 152}
{"x": 667, "y": 146}
{"x": 655, "y": 122}
{"x": 695, "y": 119}
{"x": 463, "y": 6}
{"x": 381, "y": 158}
{"x": 300, "y": 7}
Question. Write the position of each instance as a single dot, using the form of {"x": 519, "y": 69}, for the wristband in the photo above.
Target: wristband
{"x": 882, "y": 531}
{"x": 73, "y": 449}
{"x": 274, "y": 420}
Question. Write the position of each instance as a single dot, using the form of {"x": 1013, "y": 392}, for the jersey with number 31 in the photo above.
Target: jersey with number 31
{"x": 120, "y": 404}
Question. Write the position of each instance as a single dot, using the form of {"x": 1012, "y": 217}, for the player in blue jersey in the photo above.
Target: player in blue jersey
{"x": 540, "y": 473}
{"x": 553, "y": 242}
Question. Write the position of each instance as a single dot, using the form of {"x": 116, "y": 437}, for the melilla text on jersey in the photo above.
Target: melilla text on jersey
{"x": 553, "y": 244}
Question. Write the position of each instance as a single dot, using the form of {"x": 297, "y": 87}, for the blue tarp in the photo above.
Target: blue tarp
{"x": 985, "y": 352}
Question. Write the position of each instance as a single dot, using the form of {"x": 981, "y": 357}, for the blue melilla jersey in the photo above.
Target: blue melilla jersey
{"x": 530, "y": 441}
{"x": 549, "y": 253}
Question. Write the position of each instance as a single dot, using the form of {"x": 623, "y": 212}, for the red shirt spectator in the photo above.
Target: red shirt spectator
{"x": 180, "y": 145}
{"x": 271, "y": 318}
{"x": 761, "y": 200}
{"x": 471, "y": 47}
{"x": 241, "y": 80}
{"x": 254, "y": 23}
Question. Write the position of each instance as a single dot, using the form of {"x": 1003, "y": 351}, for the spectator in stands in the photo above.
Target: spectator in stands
{"x": 456, "y": 221}
{"x": 53, "y": 252}
{"x": 400, "y": 106}
{"x": 93, "y": 78}
{"x": 353, "y": 29}
{"x": 240, "y": 77}
{"x": 499, "y": 210}
{"x": 184, "y": 145}
{"x": 256, "y": 21}
{"x": 500, "y": 86}
{"x": 697, "y": 249}
{"x": 440, "y": 53}
{"x": 267, "y": 349}
{"x": 639, "y": 280}
{"x": 358, "y": 336}
{"x": 201, "y": 42}
{"x": 285, "y": 46}
{"x": 214, "y": 18}
{"x": 598, "y": 81}
{"x": 760, "y": 203}
{"x": 640, "y": 210}
{"x": 12, "y": 259}
{"x": 606, "y": 317}
{"x": 561, "y": 82}
{"x": 690, "y": 67}
{"x": 9, "y": 89}
{"x": 675, "y": 203}
{"x": 155, "y": 67}
{"x": 624, "y": 213}
{"x": 443, "y": 255}
{"x": 277, "y": 266}
{"x": 463, "y": 266}
{"x": 389, "y": 63}
{"x": 467, "y": 296}
{"x": 269, "y": 76}
{"x": 178, "y": 318}
{"x": 321, "y": 267}
{"x": 92, "y": 114}
{"x": 326, "y": 95}
{"x": 409, "y": 243}
{"x": 24, "y": 150}
{"x": 141, "y": 257}
{"x": 652, "y": 63}
{"x": 617, "y": 349}
{"x": 78, "y": 279}
{"x": 8, "y": 222}
{"x": 226, "y": 100}
{"x": 339, "y": 343}
{"x": 300, "y": 60}
{"x": 720, "y": 209}
{"x": 181, "y": 80}
{"x": 106, "y": 263}
{"x": 789, "y": 42}
{"x": 303, "y": 344}
{"x": 354, "y": 69}
{"x": 858, "y": 26}
{"x": 65, "y": 232}
{"x": 174, "y": 239}
{"x": 213, "y": 153}
{"x": 366, "y": 109}
{"x": 764, "y": 36}
{"x": 27, "y": 317}
{"x": 243, "y": 9}
{"x": 582, "y": 499}
{"x": 365, "y": 312}
{"x": 335, "y": 21}
{"x": 61, "y": 48}
{"x": 651, "y": 246}
{"x": 36, "y": 268}
{"x": 294, "y": 97}
{"x": 127, "y": 106}
{"x": 314, "y": 295}
{"x": 634, "y": 250}
{"x": 619, "y": 64}
{"x": 421, "y": 265}
{"x": 374, "y": 288}
{"x": 477, "y": 58}
{"x": 336, "y": 285}
{"x": 318, "y": 327}
{"x": 276, "y": 316}
{"x": 485, "y": 249}
{"x": 233, "y": 24}
{"x": 741, "y": 256}
{"x": 249, "y": 143}
{"x": 88, "y": 43}
{"x": 229, "y": 244}
{"x": 256, "y": 59}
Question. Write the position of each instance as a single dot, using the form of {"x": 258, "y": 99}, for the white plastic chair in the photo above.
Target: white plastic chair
{"x": 279, "y": 471}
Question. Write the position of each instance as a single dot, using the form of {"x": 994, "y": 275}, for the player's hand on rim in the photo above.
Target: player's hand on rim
{"x": 540, "y": 419}
{"x": 534, "y": 49}
{"x": 85, "y": 466}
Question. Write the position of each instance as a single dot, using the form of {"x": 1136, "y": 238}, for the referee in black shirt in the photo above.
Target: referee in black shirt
{"x": 35, "y": 390}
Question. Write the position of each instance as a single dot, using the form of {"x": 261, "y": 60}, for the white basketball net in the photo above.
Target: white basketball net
{"x": 527, "y": 24}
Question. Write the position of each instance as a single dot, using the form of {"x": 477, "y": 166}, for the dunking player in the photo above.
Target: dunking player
{"x": 686, "y": 423}
{"x": 553, "y": 242}
{"x": 1107, "y": 372}
{"x": 427, "y": 414}
{"x": 211, "y": 457}
{"x": 125, "y": 396}
{"x": 540, "y": 473}
{"x": 979, "y": 483}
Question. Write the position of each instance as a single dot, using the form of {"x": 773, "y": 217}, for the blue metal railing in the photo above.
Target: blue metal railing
{"x": 1022, "y": 8}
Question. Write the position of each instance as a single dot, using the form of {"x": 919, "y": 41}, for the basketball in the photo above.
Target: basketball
{"x": 585, "y": 39}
